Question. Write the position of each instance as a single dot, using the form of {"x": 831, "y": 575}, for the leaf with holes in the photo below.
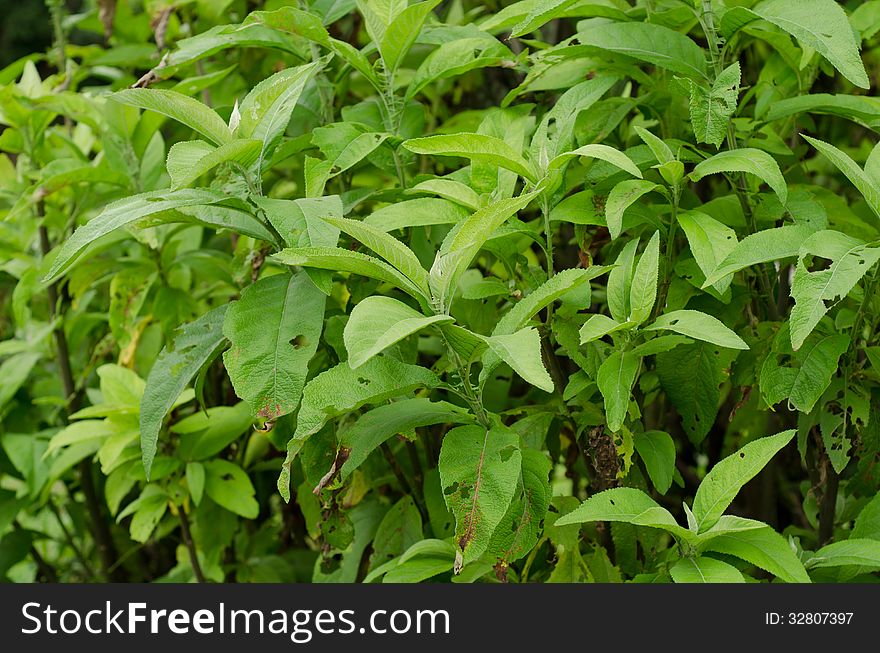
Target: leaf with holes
{"x": 479, "y": 472}
{"x": 274, "y": 331}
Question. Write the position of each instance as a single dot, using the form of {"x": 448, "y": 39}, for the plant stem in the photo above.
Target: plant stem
{"x": 103, "y": 537}
{"x": 190, "y": 545}
{"x": 405, "y": 483}
{"x": 71, "y": 542}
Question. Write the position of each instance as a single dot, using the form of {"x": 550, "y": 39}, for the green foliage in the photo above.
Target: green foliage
{"x": 416, "y": 291}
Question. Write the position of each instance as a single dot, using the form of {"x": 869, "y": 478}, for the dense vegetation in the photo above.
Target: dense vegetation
{"x": 369, "y": 290}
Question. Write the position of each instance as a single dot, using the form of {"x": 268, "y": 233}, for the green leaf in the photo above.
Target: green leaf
{"x": 274, "y": 329}
{"x": 15, "y": 371}
{"x": 850, "y": 259}
{"x": 340, "y": 389}
{"x": 762, "y": 247}
{"x": 344, "y": 260}
{"x": 802, "y": 385}
{"x": 123, "y": 213}
{"x": 859, "y": 108}
{"x": 195, "y": 481}
{"x": 711, "y": 242}
{"x": 704, "y": 570}
{"x": 463, "y": 243}
{"x": 400, "y": 528}
{"x": 648, "y": 42}
{"x": 854, "y": 551}
{"x": 867, "y": 186}
{"x": 657, "y": 451}
{"x": 228, "y": 486}
{"x": 520, "y": 528}
{"x": 388, "y": 247}
{"x": 477, "y": 147}
{"x": 188, "y": 161}
{"x": 598, "y": 151}
{"x": 522, "y": 351}
{"x": 402, "y": 32}
{"x": 622, "y": 196}
{"x": 379, "y": 424}
{"x": 419, "y": 212}
{"x": 456, "y": 58}
{"x": 548, "y": 292}
{"x": 615, "y": 380}
{"x": 699, "y": 326}
{"x": 598, "y": 326}
{"x": 643, "y": 291}
{"x": 746, "y": 159}
{"x": 625, "y": 504}
{"x": 691, "y": 375}
{"x": 620, "y": 282}
{"x": 148, "y": 510}
{"x": 194, "y": 345}
{"x": 179, "y": 107}
{"x": 266, "y": 110}
{"x": 823, "y": 26}
{"x": 868, "y": 522}
{"x": 712, "y": 108}
{"x": 208, "y": 432}
{"x": 724, "y": 480}
{"x": 378, "y": 322}
{"x": 479, "y": 472}
{"x": 764, "y": 548}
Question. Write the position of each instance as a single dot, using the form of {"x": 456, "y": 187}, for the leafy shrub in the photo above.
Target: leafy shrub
{"x": 384, "y": 291}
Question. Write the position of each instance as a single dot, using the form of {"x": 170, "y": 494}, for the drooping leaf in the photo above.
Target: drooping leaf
{"x": 388, "y": 247}
{"x": 477, "y": 147}
{"x": 746, "y": 159}
{"x": 648, "y": 42}
{"x": 615, "y": 380}
{"x": 868, "y": 187}
{"x": 762, "y": 247}
{"x": 657, "y": 451}
{"x": 341, "y": 389}
{"x": 479, "y": 472}
{"x": 823, "y": 26}
{"x": 344, "y": 260}
{"x": 179, "y": 107}
{"x": 711, "y": 242}
{"x": 123, "y": 213}
{"x": 522, "y": 351}
{"x": 691, "y": 375}
{"x": 193, "y": 346}
{"x": 850, "y": 259}
{"x": 520, "y": 528}
{"x": 274, "y": 331}
{"x": 228, "y": 485}
{"x": 378, "y": 425}
{"x": 804, "y": 383}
